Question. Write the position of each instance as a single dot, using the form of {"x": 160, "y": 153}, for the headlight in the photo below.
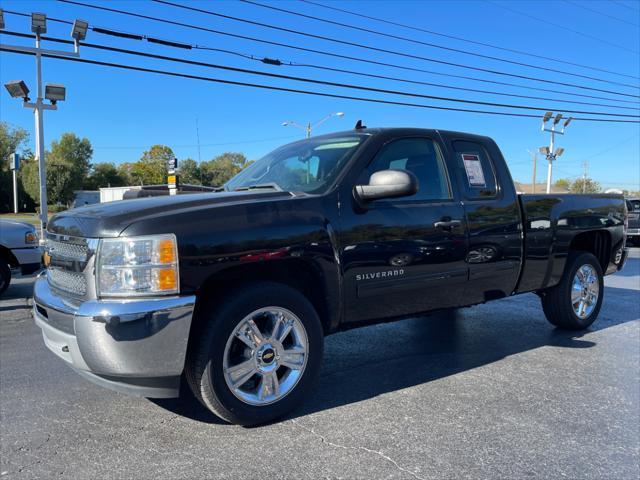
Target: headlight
{"x": 137, "y": 266}
{"x": 31, "y": 237}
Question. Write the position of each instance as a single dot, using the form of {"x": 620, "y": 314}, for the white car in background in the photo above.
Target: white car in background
{"x": 19, "y": 249}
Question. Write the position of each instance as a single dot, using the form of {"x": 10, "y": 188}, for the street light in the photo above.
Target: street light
{"x": 38, "y": 23}
{"x": 54, "y": 92}
{"x": 548, "y": 151}
{"x": 18, "y": 89}
{"x": 79, "y": 30}
{"x": 309, "y": 127}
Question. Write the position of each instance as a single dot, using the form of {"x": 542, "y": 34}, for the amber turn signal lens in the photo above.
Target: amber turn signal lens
{"x": 166, "y": 251}
{"x": 167, "y": 279}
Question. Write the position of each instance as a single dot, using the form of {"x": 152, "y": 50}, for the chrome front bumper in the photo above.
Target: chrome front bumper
{"x": 133, "y": 346}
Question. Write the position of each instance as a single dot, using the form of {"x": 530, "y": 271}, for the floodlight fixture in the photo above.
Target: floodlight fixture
{"x": 557, "y": 119}
{"x": 1, "y": 20}
{"x": 39, "y": 23}
{"x": 18, "y": 89}
{"x": 79, "y": 29}
{"x": 54, "y": 92}
{"x": 544, "y": 150}
{"x": 559, "y": 152}
{"x": 547, "y": 116}
{"x": 567, "y": 122}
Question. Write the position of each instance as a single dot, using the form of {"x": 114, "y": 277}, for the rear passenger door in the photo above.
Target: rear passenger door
{"x": 405, "y": 255}
{"x": 492, "y": 216}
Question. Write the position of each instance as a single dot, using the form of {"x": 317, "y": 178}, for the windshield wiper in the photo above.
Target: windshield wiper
{"x": 258, "y": 186}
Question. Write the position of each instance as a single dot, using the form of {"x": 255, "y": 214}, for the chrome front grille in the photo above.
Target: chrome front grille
{"x": 67, "y": 251}
{"x": 72, "y": 282}
{"x": 69, "y": 260}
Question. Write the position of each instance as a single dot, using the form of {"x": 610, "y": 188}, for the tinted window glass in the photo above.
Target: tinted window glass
{"x": 476, "y": 169}
{"x": 421, "y": 157}
{"x": 305, "y": 166}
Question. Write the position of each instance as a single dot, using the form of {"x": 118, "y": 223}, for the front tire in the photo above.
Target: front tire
{"x": 256, "y": 355}
{"x": 575, "y": 302}
{"x": 5, "y": 275}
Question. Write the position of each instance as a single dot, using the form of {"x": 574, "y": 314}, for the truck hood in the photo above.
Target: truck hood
{"x": 111, "y": 218}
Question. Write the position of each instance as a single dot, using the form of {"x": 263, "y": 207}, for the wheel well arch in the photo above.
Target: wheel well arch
{"x": 8, "y": 256}
{"x": 597, "y": 242}
{"x": 300, "y": 274}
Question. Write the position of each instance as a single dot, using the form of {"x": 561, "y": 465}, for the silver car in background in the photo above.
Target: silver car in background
{"x": 19, "y": 250}
{"x": 633, "y": 221}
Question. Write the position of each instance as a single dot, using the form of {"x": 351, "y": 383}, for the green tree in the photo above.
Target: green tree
{"x": 151, "y": 169}
{"x": 217, "y": 171}
{"x": 12, "y": 139}
{"x": 563, "y": 183}
{"x": 189, "y": 171}
{"x": 67, "y": 166}
{"x": 104, "y": 175}
{"x": 585, "y": 185}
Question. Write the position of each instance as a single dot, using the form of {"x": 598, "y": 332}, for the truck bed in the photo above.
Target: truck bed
{"x": 552, "y": 223}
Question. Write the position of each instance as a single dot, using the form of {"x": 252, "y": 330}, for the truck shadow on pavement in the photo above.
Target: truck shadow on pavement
{"x": 364, "y": 363}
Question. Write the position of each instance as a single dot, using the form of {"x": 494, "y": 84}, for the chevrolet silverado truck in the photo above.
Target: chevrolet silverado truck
{"x": 237, "y": 289}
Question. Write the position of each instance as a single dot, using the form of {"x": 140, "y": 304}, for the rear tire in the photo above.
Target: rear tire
{"x": 278, "y": 375}
{"x": 575, "y": 302}
{"x": 5, "y": 275}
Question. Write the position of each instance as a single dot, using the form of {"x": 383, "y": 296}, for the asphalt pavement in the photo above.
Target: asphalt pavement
{"x": 493, "y": 391}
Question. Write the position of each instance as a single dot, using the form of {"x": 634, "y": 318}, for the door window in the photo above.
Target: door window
{"x": 477, "y": 169}
{"x": 421, "y": 157}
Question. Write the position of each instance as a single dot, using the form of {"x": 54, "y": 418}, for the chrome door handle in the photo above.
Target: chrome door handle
{"x": 446, "y": 225}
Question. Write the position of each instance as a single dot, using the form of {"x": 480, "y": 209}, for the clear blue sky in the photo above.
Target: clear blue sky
{"x": 124, "y": 112}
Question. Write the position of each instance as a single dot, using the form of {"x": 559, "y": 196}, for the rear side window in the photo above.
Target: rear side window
{"x": 421, "y": 157}
{"x": 477, "y": 169}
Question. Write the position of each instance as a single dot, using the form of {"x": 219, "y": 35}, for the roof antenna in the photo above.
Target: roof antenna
{"x": 359, "y": 125}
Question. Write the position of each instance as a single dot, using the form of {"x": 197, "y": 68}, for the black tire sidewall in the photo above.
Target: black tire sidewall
{"x": 5, "y": 275}
{"x": 227, "y": 318}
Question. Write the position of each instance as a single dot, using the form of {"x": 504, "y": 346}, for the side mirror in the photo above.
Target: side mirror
{"x": 387, "y": 184}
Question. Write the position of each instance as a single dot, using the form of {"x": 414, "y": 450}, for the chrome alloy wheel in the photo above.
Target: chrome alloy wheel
{"x": 585, "y": 290}
{"x": 265, "y": 356}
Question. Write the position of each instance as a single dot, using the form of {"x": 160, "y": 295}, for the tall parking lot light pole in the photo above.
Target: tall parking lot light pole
{"x": 549, "y": 151}
{"x": 309, "y": 127}
{"x": 52, "y": 92}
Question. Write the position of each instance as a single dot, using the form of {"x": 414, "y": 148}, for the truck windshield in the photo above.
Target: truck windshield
{"x": 307, "y": 166}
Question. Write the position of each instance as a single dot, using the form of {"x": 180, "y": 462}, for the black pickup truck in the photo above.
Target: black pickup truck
{"x": 236, "y": 289}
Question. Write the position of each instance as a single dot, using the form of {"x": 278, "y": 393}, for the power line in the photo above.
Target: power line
{"x": 461, "y": 39}
{"x": 429, "y": 44}
{"x": 563, "y": 27}
{"x": 599, "y": 13}
{"x": 418, "y": 82}
{"x": 621, "y": 4}
{"x": 384, "y": 50}
{"x": 323, "y": 82}
{"x": 332, "y": 54}
{"x": 304, "y": 92}
{"x": 323, "y": 67}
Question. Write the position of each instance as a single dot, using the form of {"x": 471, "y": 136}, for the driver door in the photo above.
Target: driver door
{"x": 404, "y": 256}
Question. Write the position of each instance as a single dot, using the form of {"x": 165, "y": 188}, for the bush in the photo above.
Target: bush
{"x": 57, "y": 208}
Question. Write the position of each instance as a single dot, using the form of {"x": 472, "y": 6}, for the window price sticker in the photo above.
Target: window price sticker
{"x": 473, "y": 167}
